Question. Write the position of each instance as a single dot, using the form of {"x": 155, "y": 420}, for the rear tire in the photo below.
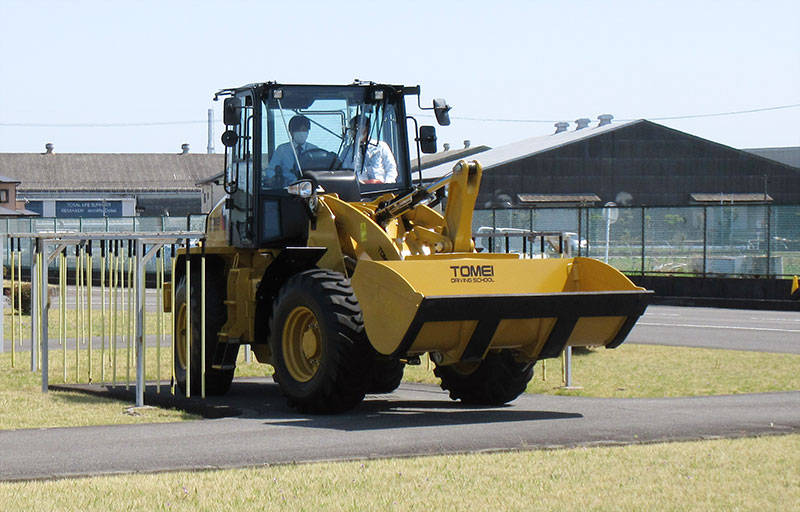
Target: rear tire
{"x": 218, "y": 382}
{"x": 318, "y": 343}
{"x": 496, "y": 380}
{"x": 385, "y": 375}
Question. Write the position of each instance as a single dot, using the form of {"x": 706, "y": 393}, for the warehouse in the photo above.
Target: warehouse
{"x": 110, "y": 185}
{"x": 634, "y": 163}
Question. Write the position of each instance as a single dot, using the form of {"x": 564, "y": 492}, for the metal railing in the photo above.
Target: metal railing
{"x": 733, "y": 240}
{"x": 117, "y": 282}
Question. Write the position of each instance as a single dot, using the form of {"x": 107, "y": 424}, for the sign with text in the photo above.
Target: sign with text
{"x": 88, "y": 209}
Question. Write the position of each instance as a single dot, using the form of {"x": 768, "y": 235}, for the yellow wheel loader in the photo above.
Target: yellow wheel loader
{"x": 338, "y": 269}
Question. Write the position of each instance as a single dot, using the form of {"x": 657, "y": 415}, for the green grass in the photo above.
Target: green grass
{"x": 23, "y": 405}
{"x": 69, "y": 322}
{"x": 722, "y": 475}
{"x": 658, "y": 371}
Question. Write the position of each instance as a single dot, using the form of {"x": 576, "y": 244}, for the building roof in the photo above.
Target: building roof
{"x": 551, "y": 199}
{"x": 8, "y": 212}
{"x": 720, "y": 197}
{"x": 450, "y": 155}
{"x": 117, "y": 172}
{"x": 527, "y": 147}
{"x": 787, "y": 155}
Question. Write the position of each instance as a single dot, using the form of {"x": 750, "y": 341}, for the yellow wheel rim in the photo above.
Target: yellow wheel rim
{"x": 180, "y": 335}
{"x": 301, "y": 342}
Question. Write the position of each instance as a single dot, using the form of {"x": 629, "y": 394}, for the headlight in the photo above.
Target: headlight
{"x": 302, "y": 188}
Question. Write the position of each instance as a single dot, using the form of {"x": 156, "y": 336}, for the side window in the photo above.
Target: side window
{"x": 3, "y": 196}
{"x": 241, "y": 171}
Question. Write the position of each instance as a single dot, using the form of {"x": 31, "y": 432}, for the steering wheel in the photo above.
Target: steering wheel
{"x": 319, "y": 159}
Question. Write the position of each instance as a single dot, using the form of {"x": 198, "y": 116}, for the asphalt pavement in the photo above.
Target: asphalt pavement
{"x": 415, "y": 420}
{"x": 732, "y": 329}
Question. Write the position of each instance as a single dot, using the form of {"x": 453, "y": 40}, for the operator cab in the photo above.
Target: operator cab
{"x": 350, "y": 140}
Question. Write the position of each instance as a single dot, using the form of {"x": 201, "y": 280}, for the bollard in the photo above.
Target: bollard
{"x": 567, "y": 368}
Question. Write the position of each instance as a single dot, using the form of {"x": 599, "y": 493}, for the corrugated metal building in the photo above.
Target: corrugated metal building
{"x": 107, "y": 184}
{"x": 630, "y": 163}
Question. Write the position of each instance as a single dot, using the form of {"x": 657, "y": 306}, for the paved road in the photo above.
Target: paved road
{"x": 415, "y": 420}
{"x": 736, "y": 329}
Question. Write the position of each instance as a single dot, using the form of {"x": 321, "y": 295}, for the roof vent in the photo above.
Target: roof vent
{"x": 467, "y": 144}
{"x": 49, "y": 148}
{"x": 184, "y": 149}
{"x": 582, "y": 123}
{"x": 446, "y": 146}
{"x": 604, "y": 119}
{"x": 561, "y": 126}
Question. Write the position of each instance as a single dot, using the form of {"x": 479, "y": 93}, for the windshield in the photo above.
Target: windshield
{"x": 310, "y": 128}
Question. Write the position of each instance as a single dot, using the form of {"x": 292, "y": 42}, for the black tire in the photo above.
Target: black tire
{"x": 385, "y": 375}
{"x": 218, "y": 382}
{"x": 318, "y": 343}
{"x": 496, "y": 380}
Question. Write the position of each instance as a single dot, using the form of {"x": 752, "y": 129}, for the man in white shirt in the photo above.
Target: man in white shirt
{"x": 283, "y": 166}
{"x": 371, "y": 159}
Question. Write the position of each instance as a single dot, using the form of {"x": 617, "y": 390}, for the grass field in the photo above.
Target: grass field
{"x": 722, "y": 475}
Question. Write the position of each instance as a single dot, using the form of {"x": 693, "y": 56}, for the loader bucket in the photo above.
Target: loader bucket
{"x": 463, "y": 306}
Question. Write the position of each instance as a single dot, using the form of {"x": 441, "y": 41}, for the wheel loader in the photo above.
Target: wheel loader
{"x": 338, "y": 268}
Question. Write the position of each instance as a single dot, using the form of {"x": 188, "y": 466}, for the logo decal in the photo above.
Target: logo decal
{"x": 472, "y": 273}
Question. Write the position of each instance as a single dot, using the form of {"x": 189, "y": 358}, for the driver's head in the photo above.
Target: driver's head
{"x": 354, "y": 127}
{"x": 299, "y": 127}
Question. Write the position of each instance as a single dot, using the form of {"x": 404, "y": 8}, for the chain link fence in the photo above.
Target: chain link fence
{"x": 724, "y": 240}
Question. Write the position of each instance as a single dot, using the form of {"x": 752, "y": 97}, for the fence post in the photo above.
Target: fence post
{"x": 2, "y": 301}
{"x": 41, "y": 246}
{"x": 769, "y": 237}
{"x": 34, "y": 269}
{"x": 643, "y": 235}
{"x": 705, "y": 240}
{"x": 140, "y": 341}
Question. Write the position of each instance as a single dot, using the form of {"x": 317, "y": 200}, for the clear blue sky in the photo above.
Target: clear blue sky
{"x": 123, "y": 62}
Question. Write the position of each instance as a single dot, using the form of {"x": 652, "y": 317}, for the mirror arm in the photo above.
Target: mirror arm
{"x": 416, "y": 139}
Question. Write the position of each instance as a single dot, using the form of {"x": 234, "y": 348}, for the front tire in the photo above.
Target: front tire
{"x": 218, "y": 382}
{"x": 318, "y": 343}
{"x": 496, "y": 380}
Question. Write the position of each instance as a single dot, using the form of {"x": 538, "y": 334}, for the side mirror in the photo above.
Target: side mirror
{"x": 229, "y": 138}
{"x": 427, "y": 139}
{"x": 442, "y": 111}
{"x": 231, "y": 111}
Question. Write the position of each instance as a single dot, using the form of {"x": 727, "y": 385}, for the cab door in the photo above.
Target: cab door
{"x": 240, "y": 169}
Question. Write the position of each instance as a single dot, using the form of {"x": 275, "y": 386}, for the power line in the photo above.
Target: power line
{"x": 668, "y": 118}
{"x": 482, "y": 119}
{"x": 100, "y": 125}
